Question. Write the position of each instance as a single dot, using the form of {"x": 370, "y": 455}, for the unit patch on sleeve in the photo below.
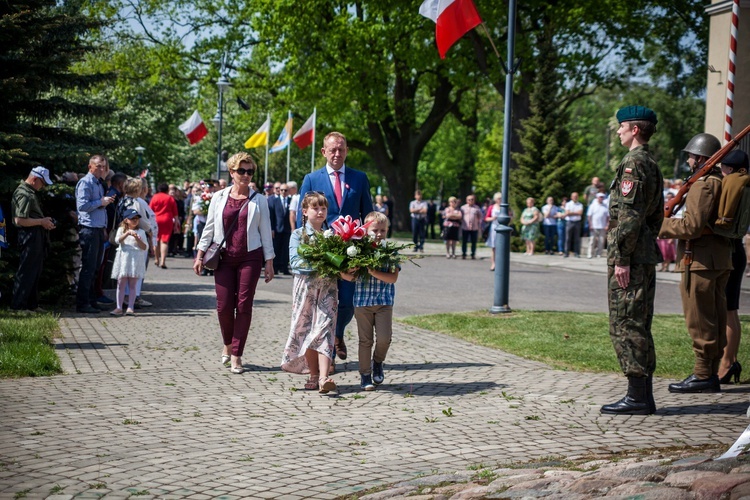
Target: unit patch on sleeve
{"x": 626, "y": 187}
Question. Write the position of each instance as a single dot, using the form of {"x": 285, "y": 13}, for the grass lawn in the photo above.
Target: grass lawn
{"x": 568, "y": 341}
{"x": 26, "y": 348}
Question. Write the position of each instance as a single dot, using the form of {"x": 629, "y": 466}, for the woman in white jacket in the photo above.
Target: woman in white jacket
{"x": 247, "y": 249}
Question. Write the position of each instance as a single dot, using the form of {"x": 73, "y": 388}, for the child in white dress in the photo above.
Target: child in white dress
{"x": 130, "y": 261}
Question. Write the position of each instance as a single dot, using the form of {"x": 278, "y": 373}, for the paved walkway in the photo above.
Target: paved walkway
{"x": 145, "y": 409}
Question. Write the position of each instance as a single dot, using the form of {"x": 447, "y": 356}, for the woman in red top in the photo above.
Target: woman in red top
{"x": 165, "y": 209}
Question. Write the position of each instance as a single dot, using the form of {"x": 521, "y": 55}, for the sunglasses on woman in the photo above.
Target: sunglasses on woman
{"x": 244, "y": 171}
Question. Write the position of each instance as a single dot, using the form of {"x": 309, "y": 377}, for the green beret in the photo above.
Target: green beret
{"x": 632, "y": 113}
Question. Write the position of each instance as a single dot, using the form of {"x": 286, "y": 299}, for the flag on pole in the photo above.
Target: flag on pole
{"x": 194, "y": 128}
{"x": 283, "y": 141}
{"x": 259, "y": 138}
{"x": 453, "y": 19}
{"x": 304, "y": 136}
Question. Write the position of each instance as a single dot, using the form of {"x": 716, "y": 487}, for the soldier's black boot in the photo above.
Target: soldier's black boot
{"x": 650, "y": 393}
{"x": 635, "y": 402}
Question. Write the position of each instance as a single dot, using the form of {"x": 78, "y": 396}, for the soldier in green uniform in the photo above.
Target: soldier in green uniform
{"x": 706, "y": 270}
{"x": 33, "y": 228}
{"x": 636, "y": 210}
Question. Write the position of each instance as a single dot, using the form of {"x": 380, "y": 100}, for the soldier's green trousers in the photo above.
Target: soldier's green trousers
{"x": 631, "y": 311}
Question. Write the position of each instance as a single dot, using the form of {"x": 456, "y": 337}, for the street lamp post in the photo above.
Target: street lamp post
{"x": 139, "y": 151}
{"x": 502, "y": 240}
{"x": 223, "y": 84}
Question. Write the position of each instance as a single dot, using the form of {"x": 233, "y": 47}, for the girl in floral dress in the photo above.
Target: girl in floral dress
{"x": 309, "y": 348}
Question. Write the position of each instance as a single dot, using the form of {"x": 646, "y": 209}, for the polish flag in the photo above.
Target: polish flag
{"x": 306, "y": 134}
{"x": 453, "y": 19}
{"x": 194, "y": 128}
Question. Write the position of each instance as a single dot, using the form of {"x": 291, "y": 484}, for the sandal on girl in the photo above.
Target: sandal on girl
{"x": 326, "y": 385}
{"x": 312, "y": 383}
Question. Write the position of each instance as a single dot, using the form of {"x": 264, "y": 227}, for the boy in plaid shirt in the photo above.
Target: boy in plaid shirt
{"x": 373, "y": 310}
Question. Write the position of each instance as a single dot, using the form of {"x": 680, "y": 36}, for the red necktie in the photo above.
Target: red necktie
{"x": 337, "y": 188}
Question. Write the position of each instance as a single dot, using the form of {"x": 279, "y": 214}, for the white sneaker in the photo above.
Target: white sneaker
{"x": 142, "y": 303}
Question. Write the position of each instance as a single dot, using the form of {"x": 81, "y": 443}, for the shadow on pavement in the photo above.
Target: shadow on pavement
{"x": 177, "y": 287}
{"x": 426, "y": 388}
{"x": 737, "y": 390}
{"x": 87, "y": 345}
{"x": 705, "y": 409}
{"x": 434, "y": 366}
{"x": 257, "y": 368}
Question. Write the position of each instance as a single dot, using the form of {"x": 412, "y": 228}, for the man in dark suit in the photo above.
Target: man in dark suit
{"x": 278, "y": 206}
{"x": 348, "y": 193}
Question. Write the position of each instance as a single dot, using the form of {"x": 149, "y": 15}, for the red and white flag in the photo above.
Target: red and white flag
{"x": 194, "y": 128}
{"x": 306, "y": 134}
{"x": 453, "y": 19}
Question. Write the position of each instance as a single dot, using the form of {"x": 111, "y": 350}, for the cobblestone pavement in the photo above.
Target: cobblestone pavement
{"x": 145, "y": 409}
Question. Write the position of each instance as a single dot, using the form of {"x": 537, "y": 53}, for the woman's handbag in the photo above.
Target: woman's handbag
{"x": 212, "y": 256}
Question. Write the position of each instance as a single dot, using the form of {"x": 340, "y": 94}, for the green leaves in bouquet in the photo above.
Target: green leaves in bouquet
{"x": 328, "y": 256}
{"x": 334, "y": 259}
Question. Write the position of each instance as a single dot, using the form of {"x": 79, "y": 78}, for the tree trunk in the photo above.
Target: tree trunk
{"x": 401, "y": 175}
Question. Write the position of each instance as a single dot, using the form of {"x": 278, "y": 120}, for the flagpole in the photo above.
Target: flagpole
{"x": 288, "y": 144}
{"x": 268, "y": 135}
{"x": 312, "y": 153}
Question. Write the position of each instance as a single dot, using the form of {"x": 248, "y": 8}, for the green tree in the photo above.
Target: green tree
{"x": 544, "y": 166}
{"x": 40, "y": 41}
{"x": 373, "y": 72}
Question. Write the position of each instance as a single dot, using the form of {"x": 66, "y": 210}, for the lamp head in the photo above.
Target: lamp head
{"x": 223, "y": 83}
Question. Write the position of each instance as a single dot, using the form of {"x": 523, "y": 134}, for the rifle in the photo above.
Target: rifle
{"x": 674, "y": 205}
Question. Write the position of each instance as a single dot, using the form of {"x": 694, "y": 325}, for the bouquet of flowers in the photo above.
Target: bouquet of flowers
{"x": 205, "y": 201}
{"x": 347, "y": 246}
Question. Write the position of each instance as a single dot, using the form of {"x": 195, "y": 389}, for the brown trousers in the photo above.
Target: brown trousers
{"x": 373, "y": 321}
{"x": 704, "y": 303}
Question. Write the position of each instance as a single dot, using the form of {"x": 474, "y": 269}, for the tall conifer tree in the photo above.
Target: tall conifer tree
{"x": 545, "y": 166}
{"x": 40, "y": 41}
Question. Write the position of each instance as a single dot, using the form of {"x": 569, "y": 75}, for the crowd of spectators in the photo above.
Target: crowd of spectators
{"x": 174, "y": 218}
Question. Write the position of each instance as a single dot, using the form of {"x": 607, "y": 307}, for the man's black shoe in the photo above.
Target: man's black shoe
{"x": 88, "y": 310}
{"x": 693, "y": 384}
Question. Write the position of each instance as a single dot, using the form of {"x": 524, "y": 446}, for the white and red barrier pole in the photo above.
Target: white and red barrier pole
{"x": 730, "y": 73}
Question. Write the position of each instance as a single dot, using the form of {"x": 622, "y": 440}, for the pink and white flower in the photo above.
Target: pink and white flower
{"x": 349, "y": 229}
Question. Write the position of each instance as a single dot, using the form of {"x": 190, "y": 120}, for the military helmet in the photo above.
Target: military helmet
{"x": 703, "y": 145}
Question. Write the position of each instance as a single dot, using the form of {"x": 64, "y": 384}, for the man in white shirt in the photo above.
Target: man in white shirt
{"x": 573, "y": 215}
{"x": 293, "y": 203}
{"x": 598, "y": 217}
{"x": 348, "y": 193}
{"x": 418, "y": 211}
